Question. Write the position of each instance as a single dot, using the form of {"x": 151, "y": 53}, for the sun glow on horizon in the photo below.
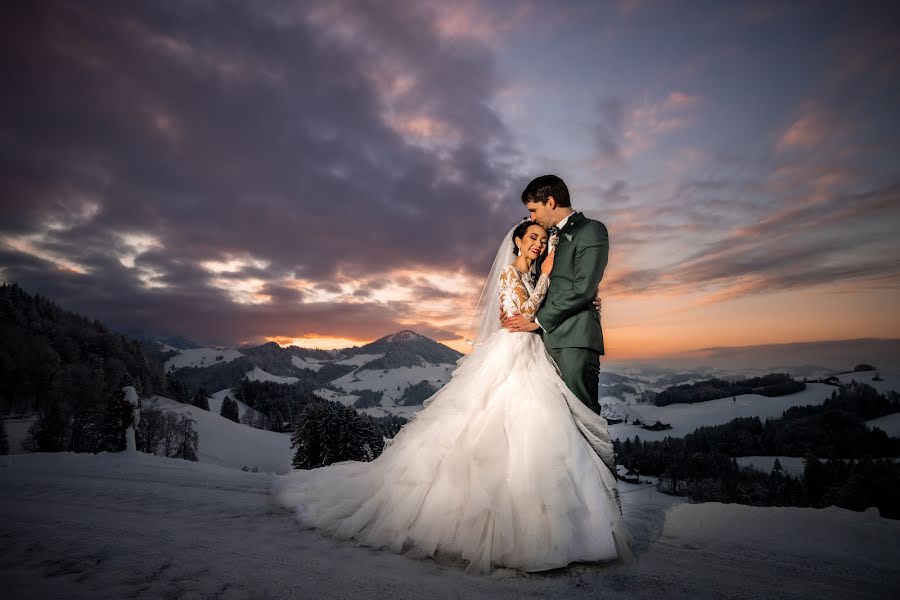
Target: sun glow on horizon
{"x": 315, "y": 342}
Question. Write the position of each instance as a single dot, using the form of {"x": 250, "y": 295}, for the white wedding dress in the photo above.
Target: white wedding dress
{"x": 503, "y": 466}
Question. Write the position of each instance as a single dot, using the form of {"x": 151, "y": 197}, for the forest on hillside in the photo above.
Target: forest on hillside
{"x": 702, "y": 465}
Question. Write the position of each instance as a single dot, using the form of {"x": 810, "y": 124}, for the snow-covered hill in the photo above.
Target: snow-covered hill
{"x": 393, "y": 382}
{"x": 890, "y": 424}
{"x": 81, "y": 526}
{"x": 258, "y": 374}
{"x": 228, "y": 444}
{"x": 685, "y": 418}
{"x": 201, "y": 357}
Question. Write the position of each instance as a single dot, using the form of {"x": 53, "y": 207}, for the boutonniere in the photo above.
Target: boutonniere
{"x": 553, "y": 241}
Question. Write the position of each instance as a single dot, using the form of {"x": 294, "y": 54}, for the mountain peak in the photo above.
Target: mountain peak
{"x": 412, "y": 343}
{"x": 407, "y": 335}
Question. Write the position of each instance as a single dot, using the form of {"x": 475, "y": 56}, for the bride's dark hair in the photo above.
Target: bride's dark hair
{"x": 519, "y": 232}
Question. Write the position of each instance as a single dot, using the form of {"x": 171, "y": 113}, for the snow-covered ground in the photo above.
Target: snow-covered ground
{"x": 258, "y": 374}
{"x": 215, "y": 403}
{"x": 359, "y": 360}
{"x": 685, "y": 418}
{"x": 346, "y": 399}
{"x": 201, "y": 357}
{"x": 312, "y": 364}
{"x": 395, "y": 381}
{"x": 226, "y": 443}
{"x": 890, "y": 424}
{"x": 374, "y": 411}
{"x": 137, "y": 526}
{"x": 17, "y": 430}
{"x": 889, "y": 379}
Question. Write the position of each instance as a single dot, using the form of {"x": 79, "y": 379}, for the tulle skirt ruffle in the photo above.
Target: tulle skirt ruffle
{"x": 504, "y": 466}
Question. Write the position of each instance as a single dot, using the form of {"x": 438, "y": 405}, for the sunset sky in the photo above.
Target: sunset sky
{"x": 325, "y": 173}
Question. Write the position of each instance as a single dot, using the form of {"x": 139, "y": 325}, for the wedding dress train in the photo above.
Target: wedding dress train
{"x": 503, "y": 466}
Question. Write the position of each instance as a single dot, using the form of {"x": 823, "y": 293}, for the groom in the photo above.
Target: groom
{"x": 568, "y": 317}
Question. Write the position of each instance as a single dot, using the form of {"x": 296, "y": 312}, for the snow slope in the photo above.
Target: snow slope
{"x": 17, "y": 430}
{"x": 118, "y": 526}
{"x": 389, "y": 382}
{"x": 890, "y": 379}
{"x": 215, "y": 403}
{"x": 258, "y": 374}
{"x": 359, "y": 360}
{"x": 890, "y": 424}
{"x": 226, "y": 443}
{"x": 201, "y": 357}
{"x": 685, "y": 418}
{"x": 312, "y": 364}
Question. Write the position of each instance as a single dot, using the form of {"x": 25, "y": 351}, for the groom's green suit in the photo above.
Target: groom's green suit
{"x": 571, "y": 326}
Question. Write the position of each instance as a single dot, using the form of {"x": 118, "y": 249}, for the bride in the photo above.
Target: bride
{"x": 503, "y": 466}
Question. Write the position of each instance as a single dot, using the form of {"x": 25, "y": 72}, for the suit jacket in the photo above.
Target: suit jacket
{"x": 568, "y": 316}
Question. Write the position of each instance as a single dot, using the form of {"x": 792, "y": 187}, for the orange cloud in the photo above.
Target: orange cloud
{"x": 808, "y": 131}
{"x": 650, "y": 120}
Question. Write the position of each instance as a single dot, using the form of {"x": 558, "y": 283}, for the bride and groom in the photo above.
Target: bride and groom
{"x": 510, "y": 463}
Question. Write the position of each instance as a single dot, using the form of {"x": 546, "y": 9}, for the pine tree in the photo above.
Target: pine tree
{"x": 230, "y": 409}
{"x": 777, "y": 468}
{"x": 4, "y": 440}
{"x": 306, "y": 437}
{"x": 200, "y": 399}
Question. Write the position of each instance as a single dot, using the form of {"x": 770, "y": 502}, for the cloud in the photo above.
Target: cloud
{"x": 609, "y": 131}
{"x": 808, "y": 245}
{"x": 622, "y": 131}
{"x": 214, "y": 169}
{"x": 805, "y": 132}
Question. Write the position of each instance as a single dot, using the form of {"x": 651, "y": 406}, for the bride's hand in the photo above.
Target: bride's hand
{"x": 547, "y": 265}
{"x": 597, "y": 301}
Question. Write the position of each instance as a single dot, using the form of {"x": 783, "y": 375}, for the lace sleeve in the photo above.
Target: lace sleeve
{"x": 514, "y": 297}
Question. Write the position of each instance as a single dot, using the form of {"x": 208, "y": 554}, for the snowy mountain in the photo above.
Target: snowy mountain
{"x": 391, "y": 375}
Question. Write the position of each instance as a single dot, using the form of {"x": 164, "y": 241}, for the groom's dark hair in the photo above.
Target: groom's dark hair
{"x": 541, "y": 188}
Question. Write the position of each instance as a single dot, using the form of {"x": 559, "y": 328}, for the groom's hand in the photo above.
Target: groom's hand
{"x": 518, "y": 323}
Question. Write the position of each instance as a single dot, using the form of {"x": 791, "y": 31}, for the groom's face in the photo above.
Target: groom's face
{"x": 542, "y": 214}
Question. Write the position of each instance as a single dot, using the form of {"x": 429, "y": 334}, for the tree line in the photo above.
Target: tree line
{"x": 771, "y": 385}
{"x": 327, "y": 432}
{"x": 71, "y": 371}
{"x": 702, "y": 465}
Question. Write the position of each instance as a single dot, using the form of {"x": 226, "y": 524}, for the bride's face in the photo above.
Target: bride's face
{"x": 532, "y": 244}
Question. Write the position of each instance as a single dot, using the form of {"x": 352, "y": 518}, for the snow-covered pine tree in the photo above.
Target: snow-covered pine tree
{"x": 777, "y": 468}
{"x": 230, "y": 409}
{"x": 4, "y": 440}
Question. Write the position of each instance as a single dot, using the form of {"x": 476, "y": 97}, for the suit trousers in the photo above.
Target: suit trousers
{"x": 580, "y": 370}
